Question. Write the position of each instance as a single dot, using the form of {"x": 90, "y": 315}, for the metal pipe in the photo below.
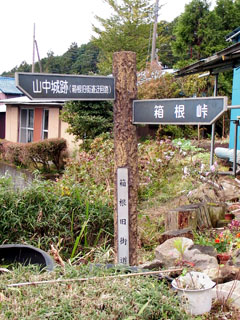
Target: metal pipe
{"x": 212, "y": 145}
{"x": 213, "y": 125}
{"x": 215, "y": 86}
{"x": 236, "y": 123}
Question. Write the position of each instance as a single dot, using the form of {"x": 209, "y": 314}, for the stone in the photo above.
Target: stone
{"x": 200, "y": 261}
{"x": 229, "y": 290}
{"x": 213, "y": 273}
{"x": 186, "y": 233}
{"x": 209, "y": 250}
{"x": 195, "y": 255}
{"x": 230, "y": 189}
{"x": 204, "y": 193}
{"x": 223, "y": 274}
{"x": 229, "y": 273}
{"x": 155, "y": 264}
{"x": 167, "y": 254}
{"x": 235, "y": 259}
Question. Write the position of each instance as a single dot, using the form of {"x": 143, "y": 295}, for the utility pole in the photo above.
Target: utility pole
{"x": 35, "y": 45}
{"x": 153, "y": 55}
{"x": 33, "y": 56}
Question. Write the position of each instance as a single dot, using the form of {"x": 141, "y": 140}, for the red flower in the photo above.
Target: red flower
{"x": 217, "y": 240}
{"x": 238, "y": 235}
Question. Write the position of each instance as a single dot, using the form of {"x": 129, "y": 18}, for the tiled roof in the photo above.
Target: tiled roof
{"x": 7, "y": 86}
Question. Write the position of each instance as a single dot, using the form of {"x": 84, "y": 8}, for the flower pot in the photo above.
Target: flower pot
{"x": 223, "y": 257}
{"x": 199, "y": 300}
{"x": 229, "y": 216}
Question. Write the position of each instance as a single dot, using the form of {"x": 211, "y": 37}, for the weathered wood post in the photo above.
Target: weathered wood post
{"x": 125, "y": 145}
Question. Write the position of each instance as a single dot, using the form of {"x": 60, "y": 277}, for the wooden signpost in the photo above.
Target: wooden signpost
{"x": 126, "y": 164}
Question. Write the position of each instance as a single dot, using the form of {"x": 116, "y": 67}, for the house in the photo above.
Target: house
{"x": 8, "y": 90}
{"x": 226, "y": 59}
{"x": 34, "y": 120}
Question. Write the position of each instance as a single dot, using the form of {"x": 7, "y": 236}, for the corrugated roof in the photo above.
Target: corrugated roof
{"x": 223, "y": 60}
{"x": 7, "y": 86}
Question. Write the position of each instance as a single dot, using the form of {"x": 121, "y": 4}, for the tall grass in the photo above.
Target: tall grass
{"x": 46, "y": 212}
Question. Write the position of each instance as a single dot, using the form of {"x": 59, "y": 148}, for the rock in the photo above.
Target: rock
{"x": 235, "y": 259}
{"x": 155, "y": 264}
{"x": 201, "y": 261}
{"x": 205, "y": 193}
{"x": 167, "y": 254}
{"x": 223, "y": 274}
{"x": 221, "y": 292}
{"x": 186, "y": 233}
{"x": 213, "y": 273}
{"x": 209, "y": 250}
{"x": 229, "y": 273}
{"x": 230, "y": 189}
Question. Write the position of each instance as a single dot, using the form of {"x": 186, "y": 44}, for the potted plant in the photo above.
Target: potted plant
{"x": 229, "y": 216}
{"x": 194, "y": 290}
{"x": 223, "y": 244}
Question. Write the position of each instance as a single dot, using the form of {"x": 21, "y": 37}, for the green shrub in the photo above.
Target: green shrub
{"x": 11, "y": 152}
{"x": 39, "y": 155}
{"x": 42, "y": 153}
{"x": 176, "y": 131}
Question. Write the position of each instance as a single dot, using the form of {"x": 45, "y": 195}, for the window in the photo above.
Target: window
{"x": 45, "y": 124}
{"x": 26, "y": 125}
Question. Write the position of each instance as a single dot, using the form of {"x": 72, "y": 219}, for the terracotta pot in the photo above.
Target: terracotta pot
{"x": 223, "y": 257}
{"x": 229, "y": 216}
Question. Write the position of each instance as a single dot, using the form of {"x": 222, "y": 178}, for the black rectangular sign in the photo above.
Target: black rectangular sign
{"x": 179, "y": 111}
{"x": 60, "y": 87}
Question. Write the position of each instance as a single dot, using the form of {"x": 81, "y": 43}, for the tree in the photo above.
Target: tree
{"x": 163, "y": 43}
{"x": 69, "y": 58}
{"x": 200, "y": 32}
{"x": 23, "y": 67}
{"x": 87, "y": 59}
{"x": 127, "y": 29}
{"x": 188, "y": 30}
{"x": 51, "y": 64}
{"x": 88, "y": 119}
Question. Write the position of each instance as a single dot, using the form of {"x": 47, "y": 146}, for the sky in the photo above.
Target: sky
{"x": 58, "y": 23}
